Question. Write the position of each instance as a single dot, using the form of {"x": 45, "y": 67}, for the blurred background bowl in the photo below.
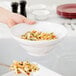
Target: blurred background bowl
{"x": 41, "y": 14}
{"x": 43, "y": 47}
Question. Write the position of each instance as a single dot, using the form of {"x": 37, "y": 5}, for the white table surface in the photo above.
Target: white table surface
{"x": 62, "y": 59}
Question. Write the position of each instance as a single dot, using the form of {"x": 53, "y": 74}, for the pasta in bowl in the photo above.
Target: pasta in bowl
{"x": 37, "y": 35}
{"x": 43, "y": 29}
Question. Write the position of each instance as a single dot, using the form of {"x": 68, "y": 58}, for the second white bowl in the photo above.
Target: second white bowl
{"x": 41, "y": 14}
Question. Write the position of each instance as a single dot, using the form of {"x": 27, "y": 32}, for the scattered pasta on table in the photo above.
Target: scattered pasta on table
{"x": 24, "y": 67}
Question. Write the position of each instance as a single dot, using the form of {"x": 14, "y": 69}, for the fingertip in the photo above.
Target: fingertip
{"x": 29, "y": 22}
{"x": 33, "y": 22}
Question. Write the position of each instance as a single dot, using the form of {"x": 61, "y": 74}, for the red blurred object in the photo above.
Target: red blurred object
{"x": 67, "y": 10}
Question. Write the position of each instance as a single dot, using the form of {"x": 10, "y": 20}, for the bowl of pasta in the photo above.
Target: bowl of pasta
{"x": 38, "y": 39}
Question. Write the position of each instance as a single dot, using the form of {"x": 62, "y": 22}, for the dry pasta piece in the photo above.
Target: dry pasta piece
{"x": 24, "y": 67}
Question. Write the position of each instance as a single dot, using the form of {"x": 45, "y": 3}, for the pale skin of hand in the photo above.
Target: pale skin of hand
{"x": 12, "y": 19}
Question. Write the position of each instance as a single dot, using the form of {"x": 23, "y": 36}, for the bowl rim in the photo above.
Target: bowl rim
{"x": 45, "y": 10}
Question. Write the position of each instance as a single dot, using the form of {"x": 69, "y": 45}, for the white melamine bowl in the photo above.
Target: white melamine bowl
{"x": 43, "y": 47}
